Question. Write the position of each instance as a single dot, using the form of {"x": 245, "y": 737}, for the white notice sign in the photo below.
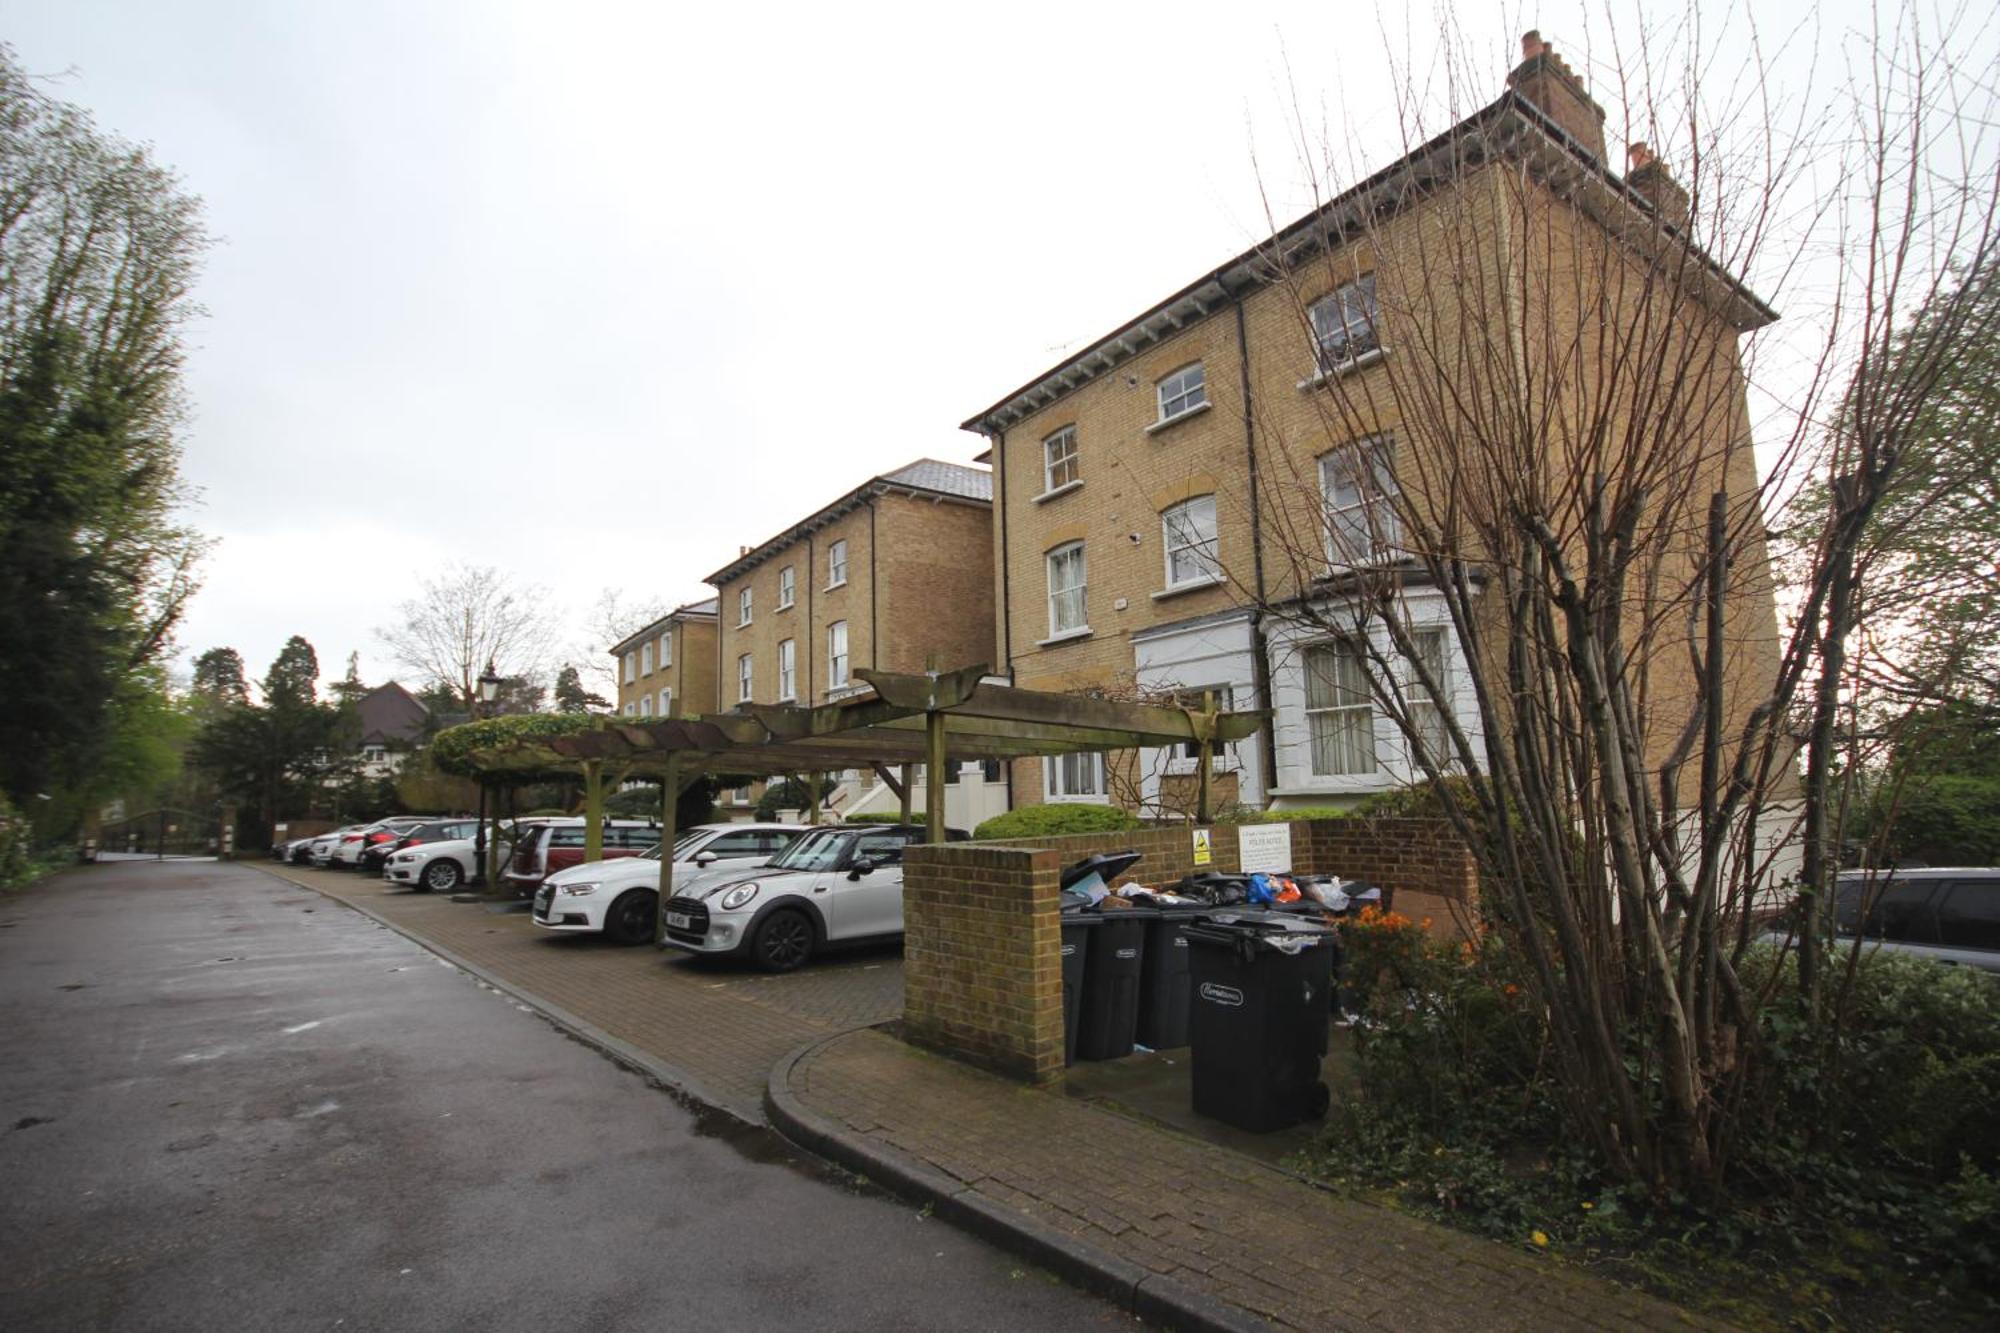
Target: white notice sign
{"x": 1264, "y": 846}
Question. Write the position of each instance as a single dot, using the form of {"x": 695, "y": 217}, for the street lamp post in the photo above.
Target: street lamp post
{"x": 489, "y": 690}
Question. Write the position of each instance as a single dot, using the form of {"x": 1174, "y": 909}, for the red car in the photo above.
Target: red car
{"x": 557, "y": 844}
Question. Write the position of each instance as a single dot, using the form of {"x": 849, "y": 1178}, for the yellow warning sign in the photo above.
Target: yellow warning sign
{"x": 1204, "y": 847}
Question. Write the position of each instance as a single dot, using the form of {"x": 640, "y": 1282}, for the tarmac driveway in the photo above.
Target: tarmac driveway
{"x": 232, "y": 1104}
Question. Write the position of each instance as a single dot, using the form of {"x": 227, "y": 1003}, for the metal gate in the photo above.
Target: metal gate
{"x": 162, "y": 833}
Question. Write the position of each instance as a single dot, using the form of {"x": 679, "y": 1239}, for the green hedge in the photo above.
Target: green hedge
{"x": 882, "y": 817}
{"x": 1248, "y": 816}
{"x": 1047, "y": 821}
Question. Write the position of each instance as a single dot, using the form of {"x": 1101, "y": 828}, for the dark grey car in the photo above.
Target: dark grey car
{"x": 1951, "y": 914}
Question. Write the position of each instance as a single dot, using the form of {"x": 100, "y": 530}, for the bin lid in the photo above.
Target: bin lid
{"x": 1279, "y": 932}
{"x": 1108, "y": 864}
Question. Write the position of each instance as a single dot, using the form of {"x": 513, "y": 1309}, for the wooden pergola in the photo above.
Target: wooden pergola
{"x": 934, "y": 718}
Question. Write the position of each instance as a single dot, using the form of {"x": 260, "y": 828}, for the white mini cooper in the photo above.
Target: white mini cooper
{"x": 621, "y": 898}
{"x": 837, "y": 885}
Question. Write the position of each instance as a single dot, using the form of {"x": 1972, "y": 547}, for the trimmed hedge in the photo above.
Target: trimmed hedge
{"x": 1248, "y": 816}
{"x": 882, "y": 817}
{"x": 1047, "y": 821}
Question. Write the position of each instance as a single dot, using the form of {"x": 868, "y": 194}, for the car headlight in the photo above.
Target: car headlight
{"x": 579, "y": 890}
{"x": 738, "y": 896}
{"x": 406, "y": 856}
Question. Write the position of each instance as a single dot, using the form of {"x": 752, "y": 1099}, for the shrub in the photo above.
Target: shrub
{"x": 879, "y": 817}
{"x": 16, "y": 859}
{"x": 1048, "y": 821}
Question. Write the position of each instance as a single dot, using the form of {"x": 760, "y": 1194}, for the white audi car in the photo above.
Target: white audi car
{"x": 621, "y": 897}
{"x": 839, "y": 886}
{"x": 438, "y": 867}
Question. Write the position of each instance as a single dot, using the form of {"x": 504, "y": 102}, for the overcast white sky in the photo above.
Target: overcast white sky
{"x": 597, "y": 293}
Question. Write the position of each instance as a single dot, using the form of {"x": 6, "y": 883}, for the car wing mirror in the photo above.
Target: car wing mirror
{"x": 862, "y": 866}
{"x": 705, "y": 859}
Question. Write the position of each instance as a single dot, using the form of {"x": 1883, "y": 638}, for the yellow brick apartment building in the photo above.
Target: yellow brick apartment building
{"x": 893, "y": 574}
{"x": 1163, "y": 494}
{"x": 667, "y": 668}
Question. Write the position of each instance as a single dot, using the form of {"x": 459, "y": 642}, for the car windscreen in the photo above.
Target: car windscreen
{"x": 824, "y": 852}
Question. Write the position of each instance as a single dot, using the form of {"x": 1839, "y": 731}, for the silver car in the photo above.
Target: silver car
{"x": 1951, "y": 914}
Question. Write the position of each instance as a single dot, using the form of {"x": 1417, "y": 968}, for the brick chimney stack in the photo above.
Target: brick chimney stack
{"x": 1650, "y": 177}
{"x": 1543, "y": 78}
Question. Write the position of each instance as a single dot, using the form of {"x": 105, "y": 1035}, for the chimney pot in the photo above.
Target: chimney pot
{"x": 1638, "y": 155}
{"x": 1544, "y": 79}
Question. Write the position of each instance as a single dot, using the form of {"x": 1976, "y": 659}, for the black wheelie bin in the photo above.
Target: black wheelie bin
{"x": 1095, "y": 985}
{"x": 1258, "y": 1017}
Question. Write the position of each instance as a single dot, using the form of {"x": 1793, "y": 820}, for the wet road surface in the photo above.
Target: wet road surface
{"x": 228, "y": 1103}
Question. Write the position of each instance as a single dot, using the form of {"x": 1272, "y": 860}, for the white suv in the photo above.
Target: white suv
{"x": 621, "y": 898}
{"x": 836, "y": 886}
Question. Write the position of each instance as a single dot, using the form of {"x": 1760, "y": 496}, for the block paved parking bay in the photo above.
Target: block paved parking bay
{"x": 722, "y": 1023}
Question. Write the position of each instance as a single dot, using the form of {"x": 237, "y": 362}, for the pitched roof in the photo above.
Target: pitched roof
{"x": 926, "y": 476}
{"x": 972, "y": 483}
{"x": 706, "y": 608}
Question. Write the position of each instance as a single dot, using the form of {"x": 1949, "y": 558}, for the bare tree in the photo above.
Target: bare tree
{"x": 616, "y": 615}
{"x": 467, "y": 617}
{"x": 1521, "y": 476}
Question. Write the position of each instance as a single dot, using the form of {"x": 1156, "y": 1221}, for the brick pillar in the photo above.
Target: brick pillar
{"x": 982, "y": 956}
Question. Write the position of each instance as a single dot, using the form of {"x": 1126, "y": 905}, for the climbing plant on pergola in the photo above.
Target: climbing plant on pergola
{"x": 520, "y": 748}
{"x": 933, "y": 718}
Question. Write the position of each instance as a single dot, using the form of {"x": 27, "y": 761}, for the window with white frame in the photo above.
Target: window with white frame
{"x": 1074, "y": 777}
{"x": 742, "y": 607}
{"x": 836, "y": 654}
{"x": 836, "y": 564}
{"x": 1183, "y": 391}
{"x": 645, "y": 705}
{"x": 646, "y": 660}
{"x": 787, "y": 581}
{"x": 1188, "y": 529}
{"x": 631, "y": 710}
{"x": 666, "y": 650}
{"x": 743, "y": 679}
{"x": 1358, "y": 486}
{"x": 1340, "y": 712}
{"x": 666, "y": 707}
{"x": 788, "y": 674}
{"x": 1427, "y": 715}
{"x": 1059, "y": 461}
{"x": 1344, "y": 324}
{"x": 631, "y": 667}
{"x": 1068, "y": 587}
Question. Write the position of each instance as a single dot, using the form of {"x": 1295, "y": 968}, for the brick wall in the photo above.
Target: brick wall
{"x": 1422, "y": 860}
{"x": 982, "y": 968}
{"x": 982, "y": 962}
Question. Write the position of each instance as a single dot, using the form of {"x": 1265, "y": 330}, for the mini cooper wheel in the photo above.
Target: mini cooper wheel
{"x": 633, "y": 918}
{"x": 441, "y": 875}
{"x": 783, "y": 941}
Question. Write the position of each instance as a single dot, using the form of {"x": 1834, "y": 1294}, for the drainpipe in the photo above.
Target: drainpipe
{"x": 1260, "y": 649}
{"x": 999, "y": 438}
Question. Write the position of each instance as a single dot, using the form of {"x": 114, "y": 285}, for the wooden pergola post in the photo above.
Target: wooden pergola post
{"x": 593, "y": 810}
{"x": 934, "y": 751}
{"x": 1203, "y": 812}
{"x": 670, "y": 799}
{"x": 908, "y": 776}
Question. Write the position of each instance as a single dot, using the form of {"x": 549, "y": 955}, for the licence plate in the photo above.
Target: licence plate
{"x": 678, "y": 920}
